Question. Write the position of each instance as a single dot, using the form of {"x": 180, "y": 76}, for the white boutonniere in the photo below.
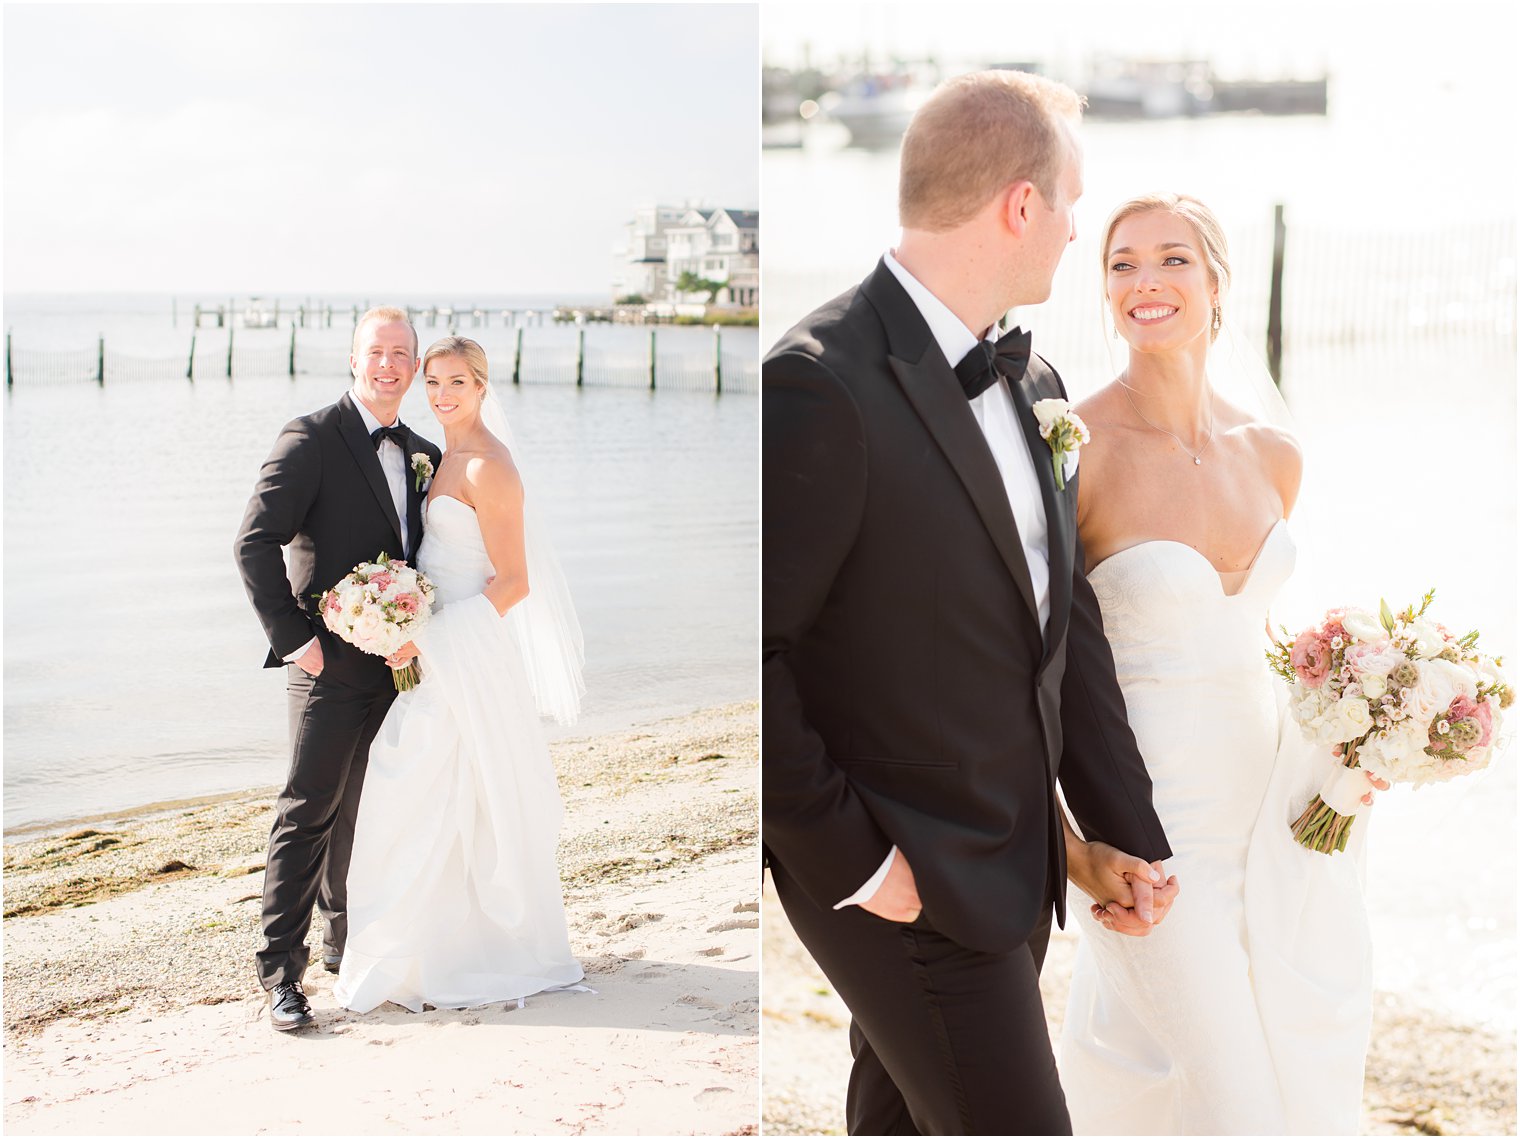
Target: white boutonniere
{"x": 1064, "y": 430}
{"x": 422, "y": 468}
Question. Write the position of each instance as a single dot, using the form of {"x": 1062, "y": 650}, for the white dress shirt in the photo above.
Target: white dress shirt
{"x": 393, "y": 463}
{"x": 996, "y": 414}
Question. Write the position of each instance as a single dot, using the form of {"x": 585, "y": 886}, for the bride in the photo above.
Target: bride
{"x": 454, "y": 895}
{"x": 1248, "y": 1011}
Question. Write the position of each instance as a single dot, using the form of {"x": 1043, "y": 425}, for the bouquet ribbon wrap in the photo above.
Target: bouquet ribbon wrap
{"x": 1343, "y": 791}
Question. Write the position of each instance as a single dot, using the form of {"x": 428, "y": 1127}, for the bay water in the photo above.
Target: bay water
{"x": 132, "y": 656}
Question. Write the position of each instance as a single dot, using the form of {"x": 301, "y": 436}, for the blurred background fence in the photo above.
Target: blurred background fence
{"x": 688, "y": 358}
{"x": 1371, "y": 294}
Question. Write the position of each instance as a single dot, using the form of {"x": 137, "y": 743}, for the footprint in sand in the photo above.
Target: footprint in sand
{"x": 734, "y": 923}
{"x": 747, "y": 908}
{"x": 707, "y": 1095}
{"x": 712, "y": 951}
{"x": 631, "y": 922}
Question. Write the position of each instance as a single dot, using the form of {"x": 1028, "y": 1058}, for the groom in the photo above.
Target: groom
{"x": 934, "y": 658}
{"x": 338, "y": 489}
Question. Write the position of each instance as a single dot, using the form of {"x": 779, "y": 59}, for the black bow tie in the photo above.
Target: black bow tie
{"x": 979, "y": 369}
{"x": 396, "y": 434}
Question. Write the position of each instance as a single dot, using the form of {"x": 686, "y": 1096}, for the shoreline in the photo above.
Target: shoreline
{"x": 129, "y": 981}
{"x": 126, "y": 816}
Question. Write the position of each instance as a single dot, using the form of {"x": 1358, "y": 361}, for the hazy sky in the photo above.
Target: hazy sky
{"x": 1468, "y": 38}
{"x": 454, "y": 148}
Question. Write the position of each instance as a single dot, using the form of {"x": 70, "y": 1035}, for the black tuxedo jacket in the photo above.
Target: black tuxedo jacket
{"x": 323, "y": 493}
{"x": 909, "y": 695}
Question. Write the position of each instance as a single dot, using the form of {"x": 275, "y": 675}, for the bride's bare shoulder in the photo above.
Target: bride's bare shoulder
{"x": 1104, "y": 407}
{"x": 491, "y": 473}
{"x": 1279, "y": 455}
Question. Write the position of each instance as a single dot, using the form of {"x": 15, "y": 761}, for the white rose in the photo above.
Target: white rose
{"x": 1047, "y": 411}
{"x": 1362, "y": 625}
{"x": 1355, "y": 716}
{"x": 1374, "y": 686}
{"x": 1440, "y": 683}
{"x": 1428, "y": 640}
{"x": 368, "y": 628}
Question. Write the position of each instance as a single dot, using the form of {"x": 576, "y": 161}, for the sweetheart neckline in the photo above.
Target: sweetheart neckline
{"x": 1249, "y": 571}
{"x": 429, "y": 501}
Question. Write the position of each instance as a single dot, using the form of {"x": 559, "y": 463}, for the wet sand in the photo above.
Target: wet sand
{"x": 131, "y": 1005}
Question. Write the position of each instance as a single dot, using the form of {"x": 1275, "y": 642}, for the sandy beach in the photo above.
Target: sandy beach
{"x": 1425, "y": 1075}
{"x": 131, "y": 1005}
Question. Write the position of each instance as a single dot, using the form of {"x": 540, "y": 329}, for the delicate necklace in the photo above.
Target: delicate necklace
{"x": 1198, "y": 458}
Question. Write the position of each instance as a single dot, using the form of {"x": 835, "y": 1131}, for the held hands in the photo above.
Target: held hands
{"x": 402, "y": 655}
{"x": 896, "y": 899}
{"x": 1131, "y": 896}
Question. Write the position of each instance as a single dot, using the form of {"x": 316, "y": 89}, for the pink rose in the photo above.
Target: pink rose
{"x": 1470, "y": 726}
{"x": 1377, "y": 657}
{"x": 407, "y": 603}
{"x": 1465, "y": 708}
{"x": 381, "y": 580}
{"x": 1311, "y": 657}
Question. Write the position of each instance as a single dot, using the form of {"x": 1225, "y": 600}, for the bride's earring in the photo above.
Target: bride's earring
{"x": 1218, "y": 320}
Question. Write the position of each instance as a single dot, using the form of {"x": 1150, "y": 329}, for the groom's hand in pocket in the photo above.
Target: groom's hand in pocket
{"x": 310, "y": 662}
{"x": 896, "y": 899}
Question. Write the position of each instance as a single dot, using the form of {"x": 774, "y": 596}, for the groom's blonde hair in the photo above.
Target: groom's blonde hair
{"x": 473, "y": 355}
{"x": 977, "y": 134}
{"x": 384, "y": 314}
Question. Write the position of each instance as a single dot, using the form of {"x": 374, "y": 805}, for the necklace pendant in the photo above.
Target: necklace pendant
{"x": 1197, "y": 462}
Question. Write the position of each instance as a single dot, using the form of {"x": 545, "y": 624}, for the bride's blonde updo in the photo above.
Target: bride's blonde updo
{"x": 466, "y": 349}
{"x": 1216, "y": 250}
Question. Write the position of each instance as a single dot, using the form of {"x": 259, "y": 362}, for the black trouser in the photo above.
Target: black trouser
{"x": 331, "y": 727}
{"x": 947, "y": 1040}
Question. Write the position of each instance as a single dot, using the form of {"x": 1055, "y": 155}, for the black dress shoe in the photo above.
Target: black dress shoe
{"x": 288, "y": 1007}
{"x": 332, "y": 961}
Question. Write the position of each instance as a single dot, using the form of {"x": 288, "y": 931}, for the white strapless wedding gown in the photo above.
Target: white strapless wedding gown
{"x": 453, "y": 891}
{"x": 1247, "y": 1011}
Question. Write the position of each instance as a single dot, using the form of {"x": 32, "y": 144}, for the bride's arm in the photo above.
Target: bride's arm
{"x": 498, "y": 500}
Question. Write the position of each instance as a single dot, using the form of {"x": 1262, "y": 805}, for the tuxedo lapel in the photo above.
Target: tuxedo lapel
{"x": 1059, "y": 523}
{"x": 931, "y": 387}
{"x": 351, "y": 427}
{"x": 413, "y": 500}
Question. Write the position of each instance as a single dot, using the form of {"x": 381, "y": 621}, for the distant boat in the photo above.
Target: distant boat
{"x": 1149, "y": 88}
{"x": 259, "y": 315}
{"x": 1183, "y": 88}
{"x": 876, "y": 109}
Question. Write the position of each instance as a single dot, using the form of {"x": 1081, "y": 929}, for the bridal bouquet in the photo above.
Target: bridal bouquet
{"x": 378, "y": 608}
{"x": 1405, "y": 701}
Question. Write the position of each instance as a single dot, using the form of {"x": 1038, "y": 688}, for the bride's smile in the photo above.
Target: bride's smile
{"x": 1158, "y": 283}
{"x": 452, "y": 390}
